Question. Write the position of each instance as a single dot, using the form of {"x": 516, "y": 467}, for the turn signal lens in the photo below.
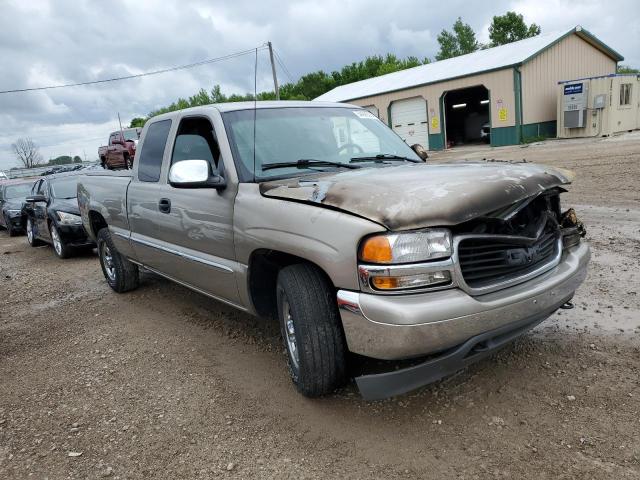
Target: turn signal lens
{"x": 428, "y": 279}
{"x": 377, "y": 250}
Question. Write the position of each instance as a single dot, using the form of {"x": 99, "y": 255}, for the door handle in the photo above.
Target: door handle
{"x": 164, "y": 205}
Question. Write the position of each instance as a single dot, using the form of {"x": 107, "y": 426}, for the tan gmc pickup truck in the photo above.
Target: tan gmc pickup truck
{"x": 320, "y": 215}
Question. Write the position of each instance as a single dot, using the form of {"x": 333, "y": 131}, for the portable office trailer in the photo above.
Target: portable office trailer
{"x": 598, "y": 106}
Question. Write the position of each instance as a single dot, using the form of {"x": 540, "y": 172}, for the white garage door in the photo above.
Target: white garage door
{"x": 409, "y": 120}
{"x": 373, "y": 109}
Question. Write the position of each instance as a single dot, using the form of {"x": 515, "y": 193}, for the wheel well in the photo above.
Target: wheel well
{"x": 96, "y": 222}
{"x": 264, "y": 266}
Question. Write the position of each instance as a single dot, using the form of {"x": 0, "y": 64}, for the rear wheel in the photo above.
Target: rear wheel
{"x": 128, "y": 161}
{"x": 59, "y": 246}
{"x": 311, "y": 330}
{"x": 120, "y": 273}
{"x": 31, "y": 234}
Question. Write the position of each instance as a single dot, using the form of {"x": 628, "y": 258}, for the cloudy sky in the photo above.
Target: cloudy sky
{"x": 63, "y": 41}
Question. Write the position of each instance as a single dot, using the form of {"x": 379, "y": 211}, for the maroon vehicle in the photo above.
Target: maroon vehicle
{"x": 121, "y": 150}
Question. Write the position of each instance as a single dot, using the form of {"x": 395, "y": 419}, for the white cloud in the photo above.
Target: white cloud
{"x": 44, "y": 42}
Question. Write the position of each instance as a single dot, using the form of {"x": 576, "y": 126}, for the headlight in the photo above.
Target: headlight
{"x": 13, "y": 213}
{"x": 69, "y": 218}
{"x": 409, "y": 247}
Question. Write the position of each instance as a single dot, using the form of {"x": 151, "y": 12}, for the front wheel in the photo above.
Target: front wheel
{"x": 311, "y": 330}
{"x": 120, "y": 273}
{"x": 59, "y": 246}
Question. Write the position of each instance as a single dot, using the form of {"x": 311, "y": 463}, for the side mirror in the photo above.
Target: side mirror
{"x": 194, "y": 174}
{"x": 420, "y": 151}
{"x": 36, "y": 199}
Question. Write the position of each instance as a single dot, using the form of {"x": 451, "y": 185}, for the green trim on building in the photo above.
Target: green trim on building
{"x": 435, "y": 141}
{"x": 504, "y": 136}
{"x": 538, "y": 130}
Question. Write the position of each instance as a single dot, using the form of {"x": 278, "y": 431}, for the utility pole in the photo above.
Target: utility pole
{"x": 273, "y": 70}
{"x": 120, "y": 123}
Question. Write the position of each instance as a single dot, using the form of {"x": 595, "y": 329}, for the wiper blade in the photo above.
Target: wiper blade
{"x": 306, "y": 163}
{"x": 381, "y": 157}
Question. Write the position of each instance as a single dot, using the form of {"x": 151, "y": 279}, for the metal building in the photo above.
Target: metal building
{"x": 502, "y": 95}
{"x": 598, "y": 106}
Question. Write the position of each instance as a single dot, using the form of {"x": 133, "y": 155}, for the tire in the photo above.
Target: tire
{"x": 310, "y": 325}
{"x": 128, "y": 162}
{"x": 120, "y": 273}
{"x": 31, "y": 237}
{"x": 61, "y": 249}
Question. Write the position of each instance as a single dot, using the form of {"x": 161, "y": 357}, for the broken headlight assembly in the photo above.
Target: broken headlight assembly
{"x": 394, "y": 262}
{"x": 572, "y": 229}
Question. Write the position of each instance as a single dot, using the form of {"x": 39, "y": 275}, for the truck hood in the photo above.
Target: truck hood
{"x": 410, "y": 196}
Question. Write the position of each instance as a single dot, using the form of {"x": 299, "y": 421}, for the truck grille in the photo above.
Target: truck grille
{"x": 489, "y": 261}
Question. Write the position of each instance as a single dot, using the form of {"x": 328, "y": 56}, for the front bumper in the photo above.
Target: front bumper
{"x": 15, "y": 221}
{"x": 74, "y": 235}
{"x": 406, "y": 326}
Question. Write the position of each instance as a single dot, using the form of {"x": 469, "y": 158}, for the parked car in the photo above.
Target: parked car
{"x": 12, "y": 197}
{"x": 319, "y": 215}
{"x": 51, "y": 215}
{"x": 3, "y": 176}
{"x": 485, "y": 133}
{"x": 121, "y": 149}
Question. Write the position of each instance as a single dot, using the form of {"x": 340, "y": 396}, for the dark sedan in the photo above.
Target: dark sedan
{"x": 52, "y": 214}
{"x": 12, "y": 197}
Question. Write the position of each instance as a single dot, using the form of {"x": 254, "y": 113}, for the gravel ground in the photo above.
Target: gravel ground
{"x": 165, "y": 383}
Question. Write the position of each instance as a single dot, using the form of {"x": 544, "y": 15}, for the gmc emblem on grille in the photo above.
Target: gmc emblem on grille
{"x": 523, "y": 256}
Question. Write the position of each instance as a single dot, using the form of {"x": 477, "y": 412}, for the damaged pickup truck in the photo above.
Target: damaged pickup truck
{"x": 319, "y": 215}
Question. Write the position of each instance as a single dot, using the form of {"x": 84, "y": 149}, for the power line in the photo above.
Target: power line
{"x": 282, "y": 65}
{"x": 145, "y": 74}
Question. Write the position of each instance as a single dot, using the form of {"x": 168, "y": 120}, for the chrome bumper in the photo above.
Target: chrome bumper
{"x": 405, "y": 326}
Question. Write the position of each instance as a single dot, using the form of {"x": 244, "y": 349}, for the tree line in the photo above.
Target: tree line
{"x": 460, "y": 40}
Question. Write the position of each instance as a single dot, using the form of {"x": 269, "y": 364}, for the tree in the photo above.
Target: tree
{"x": 459, "y": 42}
{"x": 137, "y": 122}
{"x": 627, "y": 69}
{"x": 27, "y": 152}
{"x": 77, "y": 159}
{"x": 510, "y": 27}
{"x": 308, "y": 87}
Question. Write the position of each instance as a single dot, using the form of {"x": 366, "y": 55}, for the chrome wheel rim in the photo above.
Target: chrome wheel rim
{"x": 107, "y": 261}
{"x": 290, "y": 335}
{"x": 29, "y": 231}
{"x": 57, "y": 243}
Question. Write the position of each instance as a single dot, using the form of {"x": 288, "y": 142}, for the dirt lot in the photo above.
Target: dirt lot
{"x": 164, "y": 383}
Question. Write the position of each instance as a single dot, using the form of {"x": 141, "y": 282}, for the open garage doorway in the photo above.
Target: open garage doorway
{"x": 466, "y": 116}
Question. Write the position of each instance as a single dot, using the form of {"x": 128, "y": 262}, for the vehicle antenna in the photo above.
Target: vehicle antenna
{"x": 255, "y": 108}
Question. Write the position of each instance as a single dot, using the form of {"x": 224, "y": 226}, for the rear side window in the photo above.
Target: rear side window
{"x": 150, "y": 162}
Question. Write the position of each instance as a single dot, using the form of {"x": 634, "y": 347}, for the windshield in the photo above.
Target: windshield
{"x": 65, "y": 187}
{"x": 330, "y": 134}
{"x": 17, "y": 191}
{"x": 131, "y": 134}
